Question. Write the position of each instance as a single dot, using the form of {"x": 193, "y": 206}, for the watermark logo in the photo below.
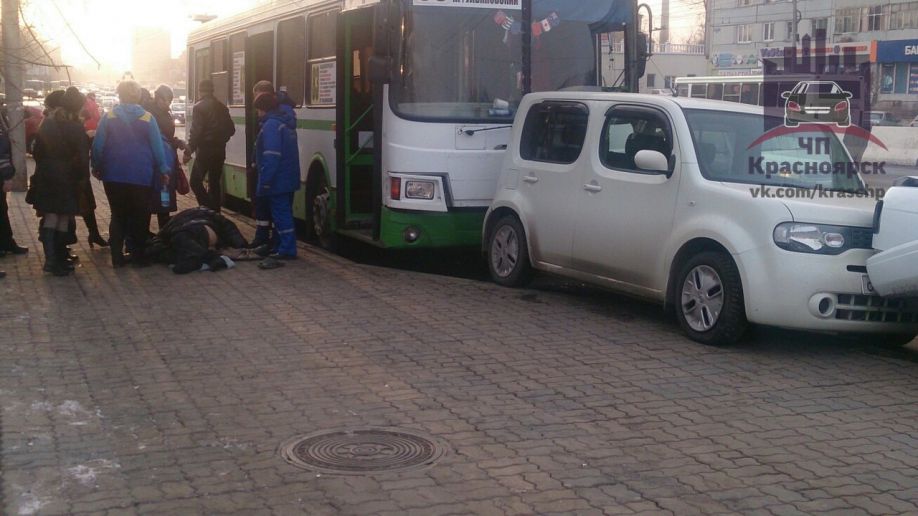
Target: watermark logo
{"x": 811, "y": 91}
{"x": 817, "y": 102}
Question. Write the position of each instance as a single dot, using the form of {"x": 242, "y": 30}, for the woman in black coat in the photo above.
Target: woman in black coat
{"x": 61, "y": 163}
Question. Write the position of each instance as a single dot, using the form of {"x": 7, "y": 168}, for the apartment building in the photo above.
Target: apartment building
{"x": 880, "y": 34}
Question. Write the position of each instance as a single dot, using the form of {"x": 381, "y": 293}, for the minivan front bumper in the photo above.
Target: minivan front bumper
{"x": 820, "y": 292}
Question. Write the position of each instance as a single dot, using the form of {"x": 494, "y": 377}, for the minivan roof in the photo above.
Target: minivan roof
{"x": 660, "y": 100}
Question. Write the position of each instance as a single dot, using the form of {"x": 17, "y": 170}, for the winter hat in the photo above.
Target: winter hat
{"x": 53, "y": 100}
{"x": 265, "y": 102}
{"x": 206, "y": 86}
{"x": 73, "y": 100}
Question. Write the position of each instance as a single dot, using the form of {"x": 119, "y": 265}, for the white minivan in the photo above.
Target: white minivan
{"x": 708, "y": 207}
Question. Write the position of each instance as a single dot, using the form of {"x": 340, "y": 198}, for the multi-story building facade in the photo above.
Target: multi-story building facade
{"x": 883, "y": 33}
{"x": 668, "y": 61}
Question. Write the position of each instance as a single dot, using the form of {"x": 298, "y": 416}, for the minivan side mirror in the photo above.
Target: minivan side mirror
{"x": 785, "y": 94}
{"x": 848, "y": 94}
{"x": 652, "y": 161}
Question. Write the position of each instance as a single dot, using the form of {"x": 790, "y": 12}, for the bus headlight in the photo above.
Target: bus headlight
{"x": 420, "y": 190}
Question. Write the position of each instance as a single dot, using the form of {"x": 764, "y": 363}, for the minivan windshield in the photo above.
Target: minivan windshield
{"x": 807, "y": 159}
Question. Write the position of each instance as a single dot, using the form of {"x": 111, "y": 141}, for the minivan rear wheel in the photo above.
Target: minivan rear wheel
{"x": 508, "y": 253}
{"x": 709, "y": 299}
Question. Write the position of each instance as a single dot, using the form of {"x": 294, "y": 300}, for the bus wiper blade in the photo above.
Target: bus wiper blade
{"x": 470, "y": 132}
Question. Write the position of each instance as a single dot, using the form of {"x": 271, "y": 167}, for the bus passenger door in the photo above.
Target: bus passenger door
{"x": 357, "y": 128}
{"x": 259, "y": 66}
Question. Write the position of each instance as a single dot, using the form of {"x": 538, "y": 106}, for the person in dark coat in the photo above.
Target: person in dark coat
{"x": 160, "y": 108}
{"x": 61, "y": 162}
{"x": 211, "y": 129}
{"x": 192, "y": 239}
{"x": 126, "y": 154}
{"x": 278, "y": 160}
{"x": 8, "y": 244}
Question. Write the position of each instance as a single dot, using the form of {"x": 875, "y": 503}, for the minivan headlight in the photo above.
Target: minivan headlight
{"x": 802, "y": 237}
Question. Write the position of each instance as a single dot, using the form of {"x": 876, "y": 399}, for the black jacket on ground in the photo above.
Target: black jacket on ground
{"x": 211, "y": 125}
{"x": 184, "y": 240}
{"x": 61, "y": 162}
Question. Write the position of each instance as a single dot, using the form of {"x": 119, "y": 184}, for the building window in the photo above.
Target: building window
{"x": 745, "y": 2}
{"x": 789, "y": 31}
{"x": 848, "y": 20}
{"x": 875, "y": 18}
{"x": 819, "y": 28}
{"x": 901, "y": 78}
{"x": 668, "y": 82}
{"x": 291, "y": 54}
{"x": 743, "y": 33}
{"x": 903, "y": 16}
{"x": 768, "y": 31}
{"x": 651, "y": 80}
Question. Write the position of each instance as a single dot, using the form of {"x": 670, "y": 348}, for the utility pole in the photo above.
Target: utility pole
{"x": 12, "y": 75}
{"x": 794, "y": 21}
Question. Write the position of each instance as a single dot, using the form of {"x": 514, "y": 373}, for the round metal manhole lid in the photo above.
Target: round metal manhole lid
{"x": 363, "y": 451}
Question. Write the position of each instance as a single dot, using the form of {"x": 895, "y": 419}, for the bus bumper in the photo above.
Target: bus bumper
{"x": 403, "y": 229}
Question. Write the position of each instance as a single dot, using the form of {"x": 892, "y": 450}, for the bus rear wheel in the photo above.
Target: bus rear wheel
{"x": 318, "y": 221}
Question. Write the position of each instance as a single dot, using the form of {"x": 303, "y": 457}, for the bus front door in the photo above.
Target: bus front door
{"x": 259, "y": 66}
{"x": 357, "y": 195}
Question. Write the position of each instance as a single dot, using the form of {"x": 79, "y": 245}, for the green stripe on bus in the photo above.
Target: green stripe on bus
{"x": 314, "y": 125}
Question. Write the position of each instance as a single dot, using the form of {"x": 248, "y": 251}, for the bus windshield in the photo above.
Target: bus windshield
{"x": 465, "y": 64}
{"x": 725, "y": 151}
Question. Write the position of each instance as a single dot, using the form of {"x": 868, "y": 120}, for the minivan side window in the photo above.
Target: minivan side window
{"x": 554, "y": 132}
{"x": 629, "y": 130}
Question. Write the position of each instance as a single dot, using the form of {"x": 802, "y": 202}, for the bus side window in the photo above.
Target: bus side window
{"x": 699, "y": 91}
{"x": 715, "y": 91}
{"x": 682, "y": 90}
{"x": 732, "y": 92}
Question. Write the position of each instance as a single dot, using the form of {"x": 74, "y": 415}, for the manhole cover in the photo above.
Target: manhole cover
{"x": 363, "y": 451}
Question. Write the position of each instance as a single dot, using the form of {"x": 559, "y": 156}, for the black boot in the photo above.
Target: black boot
{"x": 95, "y": 238}
{"x": 14, "y": 248}
{"x": 48, "y": 237}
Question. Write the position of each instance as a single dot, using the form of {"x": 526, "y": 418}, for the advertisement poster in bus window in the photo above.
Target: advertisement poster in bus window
{"x": 324, "y": 83}
{"x": 238, "y": 82}
{"x": 484, "y": 4}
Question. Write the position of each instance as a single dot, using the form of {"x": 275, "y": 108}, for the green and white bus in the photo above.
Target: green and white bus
{"x": 403, "y": 106}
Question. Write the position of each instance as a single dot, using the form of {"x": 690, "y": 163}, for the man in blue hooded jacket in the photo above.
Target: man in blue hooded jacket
{"x": 126, "y": 153}
{"x": 278, "y": 161}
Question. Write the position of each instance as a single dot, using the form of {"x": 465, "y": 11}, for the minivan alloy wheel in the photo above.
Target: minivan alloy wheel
{"x": 702, "y": 298}
{"x": 505, "y": 251}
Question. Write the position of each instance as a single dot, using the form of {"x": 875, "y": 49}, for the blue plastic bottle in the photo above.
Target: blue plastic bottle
{"x": 164, "y": 197}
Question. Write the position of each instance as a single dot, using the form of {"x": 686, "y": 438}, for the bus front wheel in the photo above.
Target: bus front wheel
{"x": 318, "y": 213}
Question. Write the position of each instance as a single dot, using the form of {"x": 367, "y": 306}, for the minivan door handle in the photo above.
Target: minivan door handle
{"x": 531, "y": 179}
{"x": 590, "y": 187}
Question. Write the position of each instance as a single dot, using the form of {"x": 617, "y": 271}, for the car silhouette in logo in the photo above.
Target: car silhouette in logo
{"x": 817, "y": 102}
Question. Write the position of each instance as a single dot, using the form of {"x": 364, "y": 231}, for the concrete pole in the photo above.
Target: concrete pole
{"x": 12, "y": 75}
{"x": 794, "y": 24}
{"x": 664, "y": 23}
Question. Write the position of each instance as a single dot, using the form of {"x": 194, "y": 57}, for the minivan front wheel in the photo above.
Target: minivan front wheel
{"x": 508, "y": 253}
{"x": 709, "y": 299}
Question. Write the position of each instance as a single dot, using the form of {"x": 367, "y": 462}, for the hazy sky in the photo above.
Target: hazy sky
{"x": 106, "y": 26}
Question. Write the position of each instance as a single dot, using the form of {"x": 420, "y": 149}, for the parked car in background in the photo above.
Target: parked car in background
{"x": 178, "y": 113}
{"x": 882, "y": 118}
{"x": 658, "y": 197}
{"x": 914, "y": 122}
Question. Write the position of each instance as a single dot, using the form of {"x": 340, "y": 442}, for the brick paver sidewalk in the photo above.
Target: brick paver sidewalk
{"x": 140, "y": 391}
